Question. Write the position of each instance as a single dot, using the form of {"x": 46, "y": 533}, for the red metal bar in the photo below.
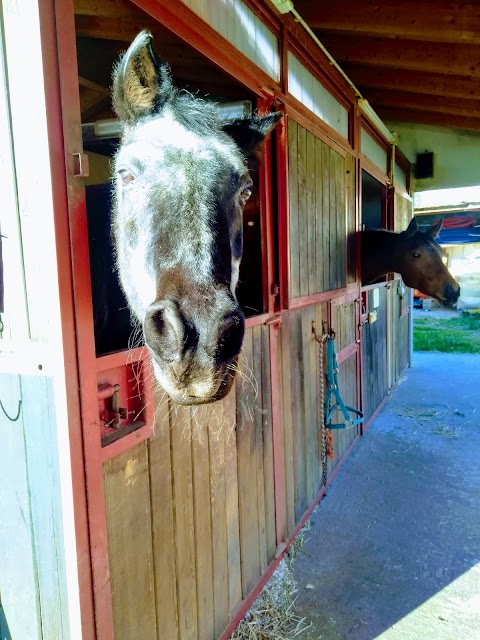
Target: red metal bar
{"x": 266, "y": 214}
{"x": 255, "y": 321}
{"x": 107, "y": 391}
{"x": 283, "y": 212}
{"x": 316, "y": 298}
{"x": 70, "y": 99}
{"x": 270, "y": 243}
{"x": 58, "y": 35}
{"x": 347, "y": 352}
{"x": 121, "y": 358}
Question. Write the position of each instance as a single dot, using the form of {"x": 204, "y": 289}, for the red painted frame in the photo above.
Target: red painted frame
{"x": 51, "y": 16}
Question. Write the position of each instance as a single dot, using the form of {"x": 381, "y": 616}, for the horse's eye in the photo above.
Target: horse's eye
{"x": 126, "y": 176}
{"x": 245, "y": 194}
{"x": 416, "y": 255}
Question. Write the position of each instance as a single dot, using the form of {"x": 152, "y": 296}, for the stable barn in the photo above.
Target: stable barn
{"x": 124, "y": 516}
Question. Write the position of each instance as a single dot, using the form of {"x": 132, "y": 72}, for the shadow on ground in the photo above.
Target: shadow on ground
{"x": 394, "y": 549}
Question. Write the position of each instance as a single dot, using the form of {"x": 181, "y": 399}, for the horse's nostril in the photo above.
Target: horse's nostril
{"x": 163, "y": 330}
{"x": 231, "y": 336}
{"x": 452, "y": 293}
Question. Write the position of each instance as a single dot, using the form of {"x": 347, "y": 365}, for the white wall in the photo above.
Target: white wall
{"x": 456, "y": 153}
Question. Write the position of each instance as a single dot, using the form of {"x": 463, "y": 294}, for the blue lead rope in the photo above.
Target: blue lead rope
{"x": 332, "y": 390}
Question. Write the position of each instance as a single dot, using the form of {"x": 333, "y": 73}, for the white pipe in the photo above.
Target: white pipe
{"x": 286, "y": 6}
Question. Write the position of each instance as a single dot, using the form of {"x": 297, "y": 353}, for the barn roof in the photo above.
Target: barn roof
{"x": 413, "y": 61}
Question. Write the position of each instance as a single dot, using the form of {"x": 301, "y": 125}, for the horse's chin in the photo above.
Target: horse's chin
{"x": 449, "y": 304}
{"x": 182, "y": 397}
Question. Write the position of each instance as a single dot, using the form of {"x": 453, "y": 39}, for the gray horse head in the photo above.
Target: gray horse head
{"x": 181, "y": 181}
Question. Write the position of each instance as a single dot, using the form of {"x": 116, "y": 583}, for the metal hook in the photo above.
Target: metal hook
{"x": 18, "y": 412}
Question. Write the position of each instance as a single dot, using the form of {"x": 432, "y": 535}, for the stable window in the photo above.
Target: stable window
{"x": 191, "y": 71}
{"x": 374, "y": 203}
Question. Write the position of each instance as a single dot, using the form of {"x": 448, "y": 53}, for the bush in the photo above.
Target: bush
{"x": 450, "y": 335}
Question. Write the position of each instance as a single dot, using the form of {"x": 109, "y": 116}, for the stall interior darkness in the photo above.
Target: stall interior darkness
{"x": 374, "y": 202}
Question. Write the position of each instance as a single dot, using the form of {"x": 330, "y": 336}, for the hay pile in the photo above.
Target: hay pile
{"x": 272, "y": 616}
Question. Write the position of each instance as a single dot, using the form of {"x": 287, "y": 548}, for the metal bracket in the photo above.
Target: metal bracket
{"x": 113, "y": 415}
{"x": 81, "y": 168}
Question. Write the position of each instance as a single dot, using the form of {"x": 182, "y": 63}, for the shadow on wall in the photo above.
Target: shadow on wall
{"x": 4, "y": 630}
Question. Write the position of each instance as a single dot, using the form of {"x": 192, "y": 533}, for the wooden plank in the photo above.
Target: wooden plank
{"x": 163, "y": 525}
{"x": 434, "y": 84}
{"x": 333, "y": 220}
{"x": 342, "y": 219}
{"x": 302, "y": 210}
{"x": 18, "y": 563}
{"x": 436, "y": 21}
{"x": 435, "y": 57}
{"x": 293, "y": 208}
{"x": 298, "y": 412}
{"x": 285, "y": 372}
{"x": 43, "y": 472}
{"x": 326, "y": 215}
{"x": 218, "y": 539}
{"x": 257, "y": 345}
{"x": 205, "y": 519}
{"x": 184, "y": 523}
{"x": 117, "y": 9}
{"x": 319, "y": 219}
{"x": 404, "y": 100}
{"x": 247, "y": 470}
{"x": 268, "y": 466}
{"x": 311, "y": 213}
{"x": 127, "y": 500}
{"x": 313, "y": 351}
{"x": 231, "y": 502}
{"x": 429, "y": 117}
{"x": 351, "y": 220}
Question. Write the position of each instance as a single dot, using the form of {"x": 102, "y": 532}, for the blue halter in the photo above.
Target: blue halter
{"x": 332, "y": 390}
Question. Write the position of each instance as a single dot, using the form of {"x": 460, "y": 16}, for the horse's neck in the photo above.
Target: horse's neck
{"x": 379, "y": 251}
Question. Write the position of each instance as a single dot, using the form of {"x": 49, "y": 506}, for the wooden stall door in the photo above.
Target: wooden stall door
{"x": 321, "y": 216}
{"x": 400, "y": 297}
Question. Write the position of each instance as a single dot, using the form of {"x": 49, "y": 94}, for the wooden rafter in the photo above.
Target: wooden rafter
{"x": 105, "y": 8}
{"x": 432, "y": 57}
{"x": 429, "y": 117}
{"x": 435, "y": 84}
{"x": 406, "y": 100}
{"x": 427, "y": 20}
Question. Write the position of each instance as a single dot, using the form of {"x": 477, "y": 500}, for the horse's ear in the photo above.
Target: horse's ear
{"x": 435, "y": 229}
{"x": 250, "y": 134}
{"x": 412, "y": 227}
{"x": 141, "y": 82}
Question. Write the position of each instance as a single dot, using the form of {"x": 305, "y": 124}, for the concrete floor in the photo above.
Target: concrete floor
{"x": 394, "y": 550}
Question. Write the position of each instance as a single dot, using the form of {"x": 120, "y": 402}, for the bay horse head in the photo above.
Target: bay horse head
{"x": 421, "y": 264}
{"x": 181, "y": 180}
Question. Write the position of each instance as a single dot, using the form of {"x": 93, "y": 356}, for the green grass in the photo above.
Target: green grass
{"x": 449, "y": 335}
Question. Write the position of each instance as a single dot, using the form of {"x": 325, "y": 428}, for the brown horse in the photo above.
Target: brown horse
{"x": 181, "y": 181}
{"x": 415, "y": 255}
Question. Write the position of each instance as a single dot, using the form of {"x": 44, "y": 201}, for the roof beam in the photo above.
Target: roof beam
{"x": 433, "y": 57}
{"x": 120, "y": 29}
{"x": 109, "y": 9}
{"x": 429, "y": 117}
{"x": 432, "y": 20}
{"x": 406, "y": 100}
{"x": 413, "y": 81}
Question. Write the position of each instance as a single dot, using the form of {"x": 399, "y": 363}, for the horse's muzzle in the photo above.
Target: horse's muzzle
{"x": 451, "y": 295}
